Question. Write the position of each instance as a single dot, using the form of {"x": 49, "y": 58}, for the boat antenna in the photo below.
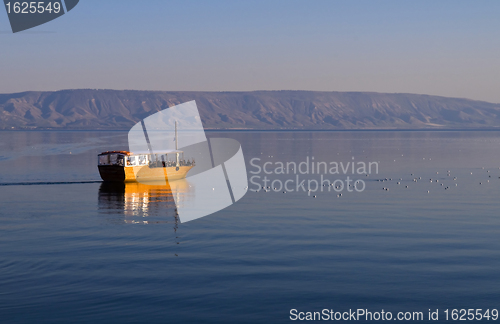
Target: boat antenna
{"x": 176, "y": 143}
{"x": 177, "y": 164}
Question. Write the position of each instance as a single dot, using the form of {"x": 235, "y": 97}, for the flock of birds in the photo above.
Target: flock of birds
{"x": 440, "y": 182}
{"x": 435, "y": 180}
{"x": 416, "y": 179}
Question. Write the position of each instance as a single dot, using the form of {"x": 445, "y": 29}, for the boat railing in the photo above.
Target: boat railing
{"x": 151, "y": 160}
{"x": 168, "y": 164}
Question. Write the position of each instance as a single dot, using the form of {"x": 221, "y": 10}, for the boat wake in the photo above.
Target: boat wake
{"x": 47, "y": 183}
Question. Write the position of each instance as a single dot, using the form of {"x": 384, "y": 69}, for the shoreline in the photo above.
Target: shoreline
{"x": 269, "y": 130}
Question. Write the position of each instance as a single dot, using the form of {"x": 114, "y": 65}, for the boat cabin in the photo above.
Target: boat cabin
{"x": 128, "y": 159}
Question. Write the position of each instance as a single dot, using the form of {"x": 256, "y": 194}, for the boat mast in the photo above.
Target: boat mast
{"x": 176, "y": 147}
{"x": 176, "y": 143}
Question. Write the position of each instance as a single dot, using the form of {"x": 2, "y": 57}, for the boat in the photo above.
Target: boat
{"x": 149, "y": 166}
{"x": 156, "y": 156}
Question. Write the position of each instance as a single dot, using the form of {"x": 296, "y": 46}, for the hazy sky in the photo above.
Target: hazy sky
{"x": 448, "y": 48}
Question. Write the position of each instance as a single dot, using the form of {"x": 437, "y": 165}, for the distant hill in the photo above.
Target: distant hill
{"x": 114, "y": 109}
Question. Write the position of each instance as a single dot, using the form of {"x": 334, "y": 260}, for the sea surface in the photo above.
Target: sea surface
{"x": 74, "y": 250}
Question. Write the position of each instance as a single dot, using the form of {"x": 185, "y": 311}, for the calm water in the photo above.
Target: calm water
{"x": 80, "y": 252}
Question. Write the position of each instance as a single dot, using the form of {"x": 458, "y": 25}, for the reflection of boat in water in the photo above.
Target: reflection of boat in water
{"x": 124, "y": 166}
{"x": 138, "y": 203}
{"x": 133, "y": 199}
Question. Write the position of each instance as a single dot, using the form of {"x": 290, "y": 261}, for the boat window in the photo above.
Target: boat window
{"x": 143, "y": 160}
{"x": 113, "y": 159}
{"x": 103, "y": 159}
{"x": 131, "y": 160}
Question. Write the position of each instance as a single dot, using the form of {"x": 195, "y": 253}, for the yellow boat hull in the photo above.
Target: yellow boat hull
{"x": 116, "y": 173}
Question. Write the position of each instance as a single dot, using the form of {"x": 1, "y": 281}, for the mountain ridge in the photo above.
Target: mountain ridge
{"x": 281, "y": 109}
